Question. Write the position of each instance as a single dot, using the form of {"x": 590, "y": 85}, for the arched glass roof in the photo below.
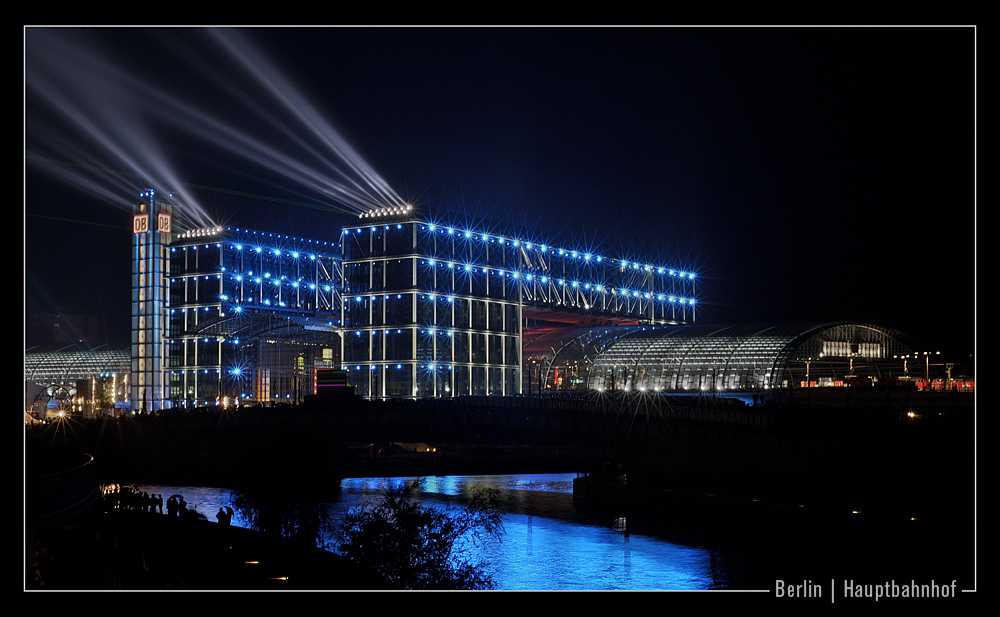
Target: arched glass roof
{"x": 68, "y": 364}
{"x": 733, "y": 357}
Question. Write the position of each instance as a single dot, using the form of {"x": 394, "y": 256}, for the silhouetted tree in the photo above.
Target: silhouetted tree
{"x": 417, "y": 547}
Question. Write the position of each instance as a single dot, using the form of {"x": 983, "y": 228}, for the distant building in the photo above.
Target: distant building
{"x": 62, "y": 328}
{"x": 745, "y": 357}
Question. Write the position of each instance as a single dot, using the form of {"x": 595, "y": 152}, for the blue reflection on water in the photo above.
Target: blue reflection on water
{"x": 548, "y": 544}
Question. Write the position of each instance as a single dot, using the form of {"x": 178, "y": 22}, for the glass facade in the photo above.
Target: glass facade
{"x": 713, "y": 358}
{"x": 251, "y": 316}
{"x": 431, "y": 310}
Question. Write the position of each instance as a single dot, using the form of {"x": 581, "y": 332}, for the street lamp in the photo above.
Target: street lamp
{"x": 927, "y": 366}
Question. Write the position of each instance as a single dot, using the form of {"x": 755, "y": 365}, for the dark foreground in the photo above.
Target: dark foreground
{"x": 145, "y": 552}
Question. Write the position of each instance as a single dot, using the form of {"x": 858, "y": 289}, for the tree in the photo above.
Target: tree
{"x": 417, "y": 547}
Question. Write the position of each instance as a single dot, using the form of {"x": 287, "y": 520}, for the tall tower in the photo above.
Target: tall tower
{"x": 151, "y": 238}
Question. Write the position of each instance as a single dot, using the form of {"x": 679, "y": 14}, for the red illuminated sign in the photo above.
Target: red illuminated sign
{"x": 140, "y": 223}
{"x": 163, "y": 223}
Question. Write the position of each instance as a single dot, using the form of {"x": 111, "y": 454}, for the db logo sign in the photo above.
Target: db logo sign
{"x": 140, "y": 223}
{"x": 163, "y": 223}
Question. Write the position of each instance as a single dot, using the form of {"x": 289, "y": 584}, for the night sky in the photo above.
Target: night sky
{"x": 804, "y": 174}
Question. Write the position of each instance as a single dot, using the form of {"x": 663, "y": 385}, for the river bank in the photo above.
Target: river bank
{"x": 123, "y": 550}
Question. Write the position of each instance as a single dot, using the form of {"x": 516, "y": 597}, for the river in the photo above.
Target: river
{"x": 554, "y": 542}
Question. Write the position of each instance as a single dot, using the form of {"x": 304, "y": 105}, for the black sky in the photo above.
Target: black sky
{"x": 805, "y": 174}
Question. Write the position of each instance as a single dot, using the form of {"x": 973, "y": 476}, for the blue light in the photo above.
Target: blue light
{"x": 431, "y": 227}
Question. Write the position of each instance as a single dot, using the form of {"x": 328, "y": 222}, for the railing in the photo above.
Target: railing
{"x": 54, "y": 497}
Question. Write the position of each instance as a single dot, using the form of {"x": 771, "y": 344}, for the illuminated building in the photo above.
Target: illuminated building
{"x": 251, "y": 316}
{"x": 720, "y": 358}
{"x": 431, "y": 310}
{"x": 410, "y": 308}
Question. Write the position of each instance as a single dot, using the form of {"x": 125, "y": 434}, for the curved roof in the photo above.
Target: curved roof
{"x": 249, "y": 325}
{"x": 66, "y": 365}
{"x": 749, "y": 356}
